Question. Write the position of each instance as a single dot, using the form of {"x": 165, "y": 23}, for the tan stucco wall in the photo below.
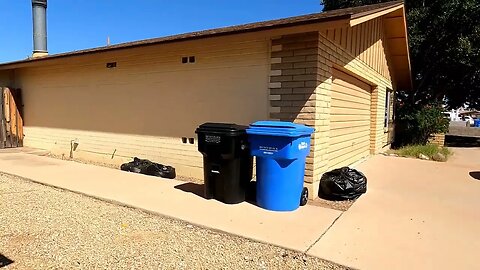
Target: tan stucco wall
{"x": 149, "y": 102}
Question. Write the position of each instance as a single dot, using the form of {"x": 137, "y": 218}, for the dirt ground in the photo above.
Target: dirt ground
{"x": 47, "y": 228}
{"x": 337, "y": 205}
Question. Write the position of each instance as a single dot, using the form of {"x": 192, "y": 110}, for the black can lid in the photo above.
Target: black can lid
{"x": 221, "y": 128}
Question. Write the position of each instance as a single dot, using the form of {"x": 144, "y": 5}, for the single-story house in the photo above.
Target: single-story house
{"x": 336, "y": 71}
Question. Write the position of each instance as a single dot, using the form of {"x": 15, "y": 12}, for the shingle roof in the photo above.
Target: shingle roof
{"x": 348, "y": 13}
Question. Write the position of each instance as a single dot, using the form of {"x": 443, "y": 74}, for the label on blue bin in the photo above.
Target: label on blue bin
{"x": 268, "y": 150}
{"x": 302, "y": 145}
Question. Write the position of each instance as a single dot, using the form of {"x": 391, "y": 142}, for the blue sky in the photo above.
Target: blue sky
{"x": 81, "y": 24}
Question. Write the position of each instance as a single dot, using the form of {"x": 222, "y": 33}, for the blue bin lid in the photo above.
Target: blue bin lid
{"x": 277, "y": 128}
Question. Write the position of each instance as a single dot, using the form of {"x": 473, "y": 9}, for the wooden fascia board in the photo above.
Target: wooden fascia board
{"x": 408, "y": 48}
{"x": 361, "y": 19}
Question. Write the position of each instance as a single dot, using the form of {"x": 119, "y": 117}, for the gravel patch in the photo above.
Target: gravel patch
{"x": 47, "y": 228}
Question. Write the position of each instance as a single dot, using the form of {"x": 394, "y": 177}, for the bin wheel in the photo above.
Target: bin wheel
{"x": 304, "y": 197}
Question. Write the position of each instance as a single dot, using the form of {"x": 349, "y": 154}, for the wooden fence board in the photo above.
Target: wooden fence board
{"x": 11, "y": 121}
{"x": 3, "y": 134}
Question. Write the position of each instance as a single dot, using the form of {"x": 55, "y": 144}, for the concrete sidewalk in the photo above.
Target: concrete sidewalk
{"x": 297, "y": 230}
{"x": 415, "y": 215}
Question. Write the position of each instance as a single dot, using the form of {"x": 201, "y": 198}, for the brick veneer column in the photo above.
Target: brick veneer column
{"x": 294, "y": 78}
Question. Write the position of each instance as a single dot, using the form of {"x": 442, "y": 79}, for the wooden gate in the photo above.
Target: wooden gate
{"x": 11, "y": 122}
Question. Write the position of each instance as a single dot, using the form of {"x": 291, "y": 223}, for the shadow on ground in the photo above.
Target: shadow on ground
{"x": 461, "y": 141}
{"x": 4, "y": 261}
{"x": 199, "y": 190}
{"x": 475, "y": 175}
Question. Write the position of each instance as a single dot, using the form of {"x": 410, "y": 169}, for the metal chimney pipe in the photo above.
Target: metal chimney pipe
{"x": 39, "y": 13}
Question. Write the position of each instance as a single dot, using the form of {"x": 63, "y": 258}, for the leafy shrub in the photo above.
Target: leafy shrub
{"x": 416, "y": 123}
{"x": 428, "y": 150}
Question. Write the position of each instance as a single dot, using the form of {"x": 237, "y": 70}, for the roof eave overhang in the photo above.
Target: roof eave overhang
{"x": 366, "y": 16}
{"x": 399, "y": 55}
{"x": 397, "y": 41}
{"x": 398, "y": 49}
{"x": 342, "y": 20}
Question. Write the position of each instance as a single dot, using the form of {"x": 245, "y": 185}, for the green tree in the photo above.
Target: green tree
{"x": 337, "y": 4}
{"x": 415, "y": 123}
{"x": 444, "y": 41}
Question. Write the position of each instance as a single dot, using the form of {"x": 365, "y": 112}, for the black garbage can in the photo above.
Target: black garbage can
{"x": 227, "y": 163}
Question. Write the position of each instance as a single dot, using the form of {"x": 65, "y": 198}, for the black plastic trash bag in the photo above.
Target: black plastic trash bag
{"x": 342, "y": 184}
{"x": 145, "y": 166}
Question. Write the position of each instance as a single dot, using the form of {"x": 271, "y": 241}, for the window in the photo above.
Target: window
{"x": 388, "y": 109}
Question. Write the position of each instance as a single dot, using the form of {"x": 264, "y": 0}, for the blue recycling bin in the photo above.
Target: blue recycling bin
{"x": 476, "y": 123}
{"x": 280, "y": 149}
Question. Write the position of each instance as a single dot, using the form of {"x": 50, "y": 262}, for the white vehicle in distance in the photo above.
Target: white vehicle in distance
{"x": 469, "y": 120}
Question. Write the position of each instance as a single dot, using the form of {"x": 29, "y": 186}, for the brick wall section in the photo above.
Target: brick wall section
{"x": 293, "y": 81}
{"x": 331, "y": 55}
{"x": 300, "y": 91}
{"x": 438, "y": 139}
